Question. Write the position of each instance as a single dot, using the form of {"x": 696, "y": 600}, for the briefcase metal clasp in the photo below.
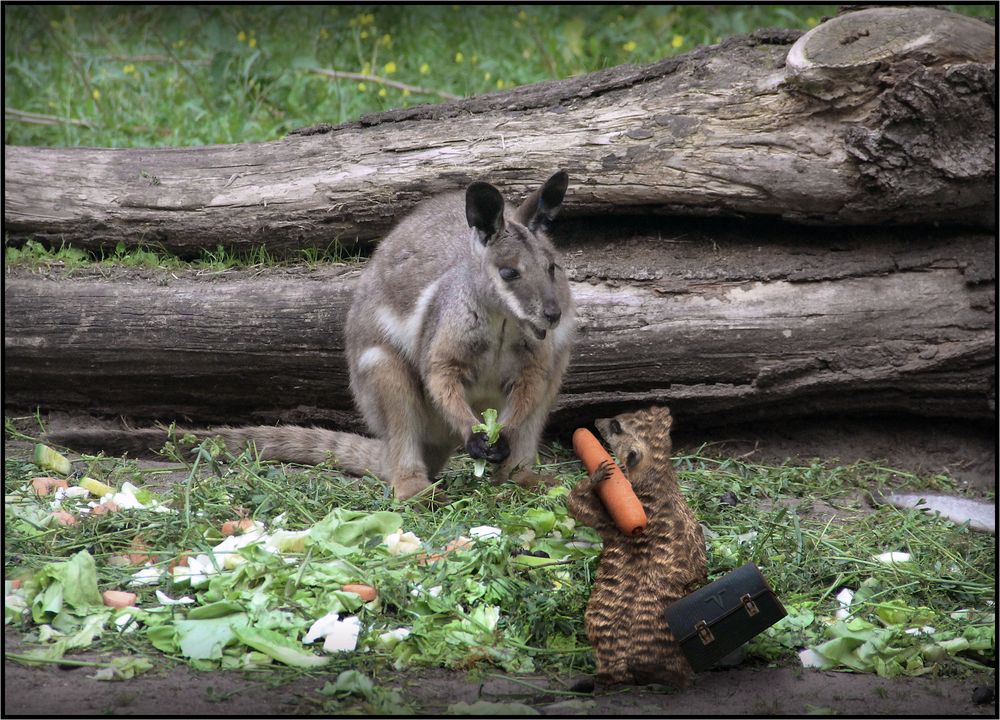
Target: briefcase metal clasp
{"x": 704, "y": 633}
{"x": 749, "y": 604}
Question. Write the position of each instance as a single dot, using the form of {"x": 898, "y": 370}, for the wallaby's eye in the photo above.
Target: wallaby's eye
{"x": 615, "y": 427}
{"x": 632, "y": 459}
{"x": 509, "y": 274}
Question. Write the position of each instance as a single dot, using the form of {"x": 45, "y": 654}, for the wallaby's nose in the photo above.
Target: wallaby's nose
{"x": 552, "y": 313}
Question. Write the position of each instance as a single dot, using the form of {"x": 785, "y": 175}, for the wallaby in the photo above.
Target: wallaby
{"x": 453, "y": 314}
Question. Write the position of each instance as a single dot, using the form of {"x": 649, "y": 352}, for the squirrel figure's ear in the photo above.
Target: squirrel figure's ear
{"x": 484, "y": 210}
{"x": 542, "y": 206}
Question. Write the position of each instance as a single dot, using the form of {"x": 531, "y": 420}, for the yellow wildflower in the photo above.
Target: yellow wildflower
{"x": 526, "y": 54}
{"x": 424, "y": 69}
{"x": 459, "y": 57}
{"x": 406, "y": 93}
{"x": 364, "y": 34}
{"x": 474, "y": 59}
{"x": 362, "y": 87}
{"x": 812, "y": 22}
{"x": 386, "y": 40}
{"x": 323, "y": 34}
{"x": 253, "y": 42}
{"x": 390, "y": 68}
{"x": 521, "y": 15}
{"x": 629, "y": 46}
{"x": 366, "y": 69}
{"x": 96, "y": 94}
{"x": 382, "y": 93}
{"x": 241, "y": 36}
{"x": 500, "y": 84}
{"x": 487, "y": 76}
{"x": 677, "y": 41}
{"x": 128, "y": 69}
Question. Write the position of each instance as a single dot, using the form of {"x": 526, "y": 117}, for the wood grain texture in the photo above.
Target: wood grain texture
{"x": 692, "y": 314}
{"x": 726, "y": 129}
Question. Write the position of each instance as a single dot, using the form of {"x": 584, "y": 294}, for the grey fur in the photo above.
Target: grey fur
{"x": 463, "y": 307}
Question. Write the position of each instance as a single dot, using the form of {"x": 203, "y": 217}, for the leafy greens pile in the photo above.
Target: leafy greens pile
{"x": 500, "y": 577}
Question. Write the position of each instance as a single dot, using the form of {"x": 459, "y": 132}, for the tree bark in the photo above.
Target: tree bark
{"x": 683, "y": 312}
{"x": 846, "y": 133}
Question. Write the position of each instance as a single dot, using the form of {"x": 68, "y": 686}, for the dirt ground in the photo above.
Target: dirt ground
{"x": 966, "y": 452}
{"x": 768, "y": 691}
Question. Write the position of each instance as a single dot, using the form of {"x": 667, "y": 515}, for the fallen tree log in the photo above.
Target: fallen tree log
{"x": 687, "y": 313}
{"x": 880, "y": 116}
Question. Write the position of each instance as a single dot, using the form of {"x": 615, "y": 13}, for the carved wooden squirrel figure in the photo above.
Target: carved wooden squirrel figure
{"x": 640, "y": 575}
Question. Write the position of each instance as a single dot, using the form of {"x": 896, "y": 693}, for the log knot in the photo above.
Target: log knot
{"x": 924, "y": 131}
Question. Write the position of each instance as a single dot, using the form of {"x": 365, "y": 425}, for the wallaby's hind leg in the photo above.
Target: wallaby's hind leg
{"x": 389, "y": 395}
{"x": 437, "y": 456}
{"x": 523, "y": 449}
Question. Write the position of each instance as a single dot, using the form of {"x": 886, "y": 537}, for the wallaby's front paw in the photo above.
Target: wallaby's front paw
{"x": 479, "y": 449}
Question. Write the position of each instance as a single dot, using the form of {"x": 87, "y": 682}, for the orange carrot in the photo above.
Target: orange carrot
{"x": 118, "y": 598}
{"x": 45, "y": 485}
{"x": 237, "y": 527}
{"x": 64, "y": 518}
{"x": 616, "y": 492}
{"x": 109, "y": 507}
{"x": 367, "y": 592}
{"x": 137, "y": 556}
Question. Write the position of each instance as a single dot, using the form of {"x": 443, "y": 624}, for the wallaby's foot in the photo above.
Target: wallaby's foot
{"x": 406, "y": 486}
{"x": 529, "y": 479}
{"x": 430, "y": 498}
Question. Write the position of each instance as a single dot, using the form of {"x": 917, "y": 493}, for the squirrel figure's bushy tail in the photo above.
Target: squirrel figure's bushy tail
{"x": 354, "y": 454}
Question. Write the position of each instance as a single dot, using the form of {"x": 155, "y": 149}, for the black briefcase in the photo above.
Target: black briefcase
{"x": 714, "y": 620}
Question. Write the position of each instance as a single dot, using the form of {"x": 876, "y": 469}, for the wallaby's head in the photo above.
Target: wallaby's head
{"x": 516, "y": 254}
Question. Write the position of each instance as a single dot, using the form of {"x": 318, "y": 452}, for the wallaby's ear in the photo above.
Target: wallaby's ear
{"x": 484, "y": 210}
{"x": 542, "y": 206}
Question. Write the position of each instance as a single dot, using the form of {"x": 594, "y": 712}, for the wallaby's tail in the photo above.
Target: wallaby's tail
{"x": 352, "y": 453}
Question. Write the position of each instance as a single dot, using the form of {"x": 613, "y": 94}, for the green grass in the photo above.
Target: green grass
{"x": 145, "y": 76}
{"x": 34, "y": 255}
{"x": 783, "y": 523}
{"x": 133, "y": 75}
{"x": 136, "y": 76}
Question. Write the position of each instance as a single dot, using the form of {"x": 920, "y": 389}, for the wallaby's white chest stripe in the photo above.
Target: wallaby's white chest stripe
{"x": 404, "y": 333}
{"x": 509, "y": 299}
{"x": 370, "y": 358}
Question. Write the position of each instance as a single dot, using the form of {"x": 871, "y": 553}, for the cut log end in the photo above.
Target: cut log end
{"x": 867, "y": 37}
